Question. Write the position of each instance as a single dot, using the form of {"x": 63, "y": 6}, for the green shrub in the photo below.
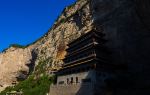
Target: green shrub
{"x": 32, "y": 86}
{"x": 17, "y": 46}
{"x": 14, "y": 45}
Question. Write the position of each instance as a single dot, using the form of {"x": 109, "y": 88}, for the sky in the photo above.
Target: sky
{"x": 24, "y": 21}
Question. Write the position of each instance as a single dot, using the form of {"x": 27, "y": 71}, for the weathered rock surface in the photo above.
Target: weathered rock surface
{"x": 125, "y": 23}
{"x": 11, "y": 62}
{"x": 74, "y": 21}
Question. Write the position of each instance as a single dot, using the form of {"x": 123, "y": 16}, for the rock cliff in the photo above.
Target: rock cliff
{"x": 74, "y": 21}
{"x": 125, "y": 24}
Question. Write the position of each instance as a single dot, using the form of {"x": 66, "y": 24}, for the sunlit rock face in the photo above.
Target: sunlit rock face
{"x": 125, "y": 24}
{"x": 74, "y": 21}
{"x": 12, "y": 62}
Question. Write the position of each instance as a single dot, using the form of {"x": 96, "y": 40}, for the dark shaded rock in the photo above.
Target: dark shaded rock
{"x": 126, "y": 25}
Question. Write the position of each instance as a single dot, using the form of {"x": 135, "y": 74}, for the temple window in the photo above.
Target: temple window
{"x": 71, "y": 80}
{"x": 67, "y": 80}
{"x": 77, "y": 80}
{"x": 61, "y": 82}
{"x": 86, "y": 80}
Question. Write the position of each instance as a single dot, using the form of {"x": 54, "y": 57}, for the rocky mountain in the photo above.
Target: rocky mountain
{"x": 74, "y": 21}
{"x": 125, "y": 24}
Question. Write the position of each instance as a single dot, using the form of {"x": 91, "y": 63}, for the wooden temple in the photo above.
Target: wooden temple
{"x": 86, "y": 66}
{"x": 85, "y": 53}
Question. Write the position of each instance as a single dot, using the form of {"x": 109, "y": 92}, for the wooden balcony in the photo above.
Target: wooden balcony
{"x": 80, "y": 61}
{"x": 81, "y": 50}
{"x": 81, "y": 67}
{"x": 85, "y": 44}
{"x": 84, "y": 60}
{"x": 91, "y": 56}
{"x": 85, "y": 37}
{"x": 85, "y": 65}
{"x": 98, "y": 51}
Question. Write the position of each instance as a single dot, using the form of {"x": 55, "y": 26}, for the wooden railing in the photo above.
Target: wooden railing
{"x": 91, "y": 56}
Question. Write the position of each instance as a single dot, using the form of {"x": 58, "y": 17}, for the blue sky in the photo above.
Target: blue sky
{"x": 24, "y": 21}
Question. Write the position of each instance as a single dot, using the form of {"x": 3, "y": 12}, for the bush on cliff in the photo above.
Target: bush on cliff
{"x": 31, "y": 86}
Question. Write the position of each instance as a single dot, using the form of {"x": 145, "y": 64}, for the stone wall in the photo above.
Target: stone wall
{"x": 82, "y": 75}
{"x": 75, "y": 89}
{"x": 97, "y": 85}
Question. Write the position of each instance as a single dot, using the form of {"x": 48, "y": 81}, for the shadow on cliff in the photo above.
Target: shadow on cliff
{"x": 121, "y": 84}
{"x": 32, "y": 64}
{"x": 130, "y": 20}
{"x": 24, "y": 74}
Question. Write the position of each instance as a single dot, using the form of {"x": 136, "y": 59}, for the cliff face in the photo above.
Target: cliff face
{"x": 124, "y": 23}
{"x": 74, "y": 21}
{"x": 11, "y": 62}
{"x": 126, "y": 26}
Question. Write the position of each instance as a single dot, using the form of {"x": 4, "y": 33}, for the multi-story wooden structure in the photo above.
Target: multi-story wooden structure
{"x": 87, "y": 61}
